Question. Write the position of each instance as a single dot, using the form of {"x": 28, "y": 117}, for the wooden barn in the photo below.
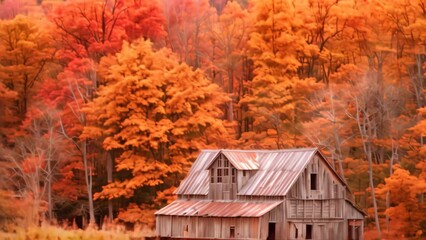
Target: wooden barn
{"x": 259, "y": 194}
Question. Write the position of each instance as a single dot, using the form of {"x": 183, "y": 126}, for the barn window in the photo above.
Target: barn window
{"x": 335, "y": 190}
{"x": 219, "y": 175}
{"x": 226, "y": 163}
{"x": 232, "y": 232}
{"x": 219, "y": 162}
{"x": 308, "y": 231}
{"x": 314, "y": 182}
{"x": 212, "y": 175}
{"x": 233, "y": 175}
{"x": 225, "y": 172}
{"x": 244, "y": 173}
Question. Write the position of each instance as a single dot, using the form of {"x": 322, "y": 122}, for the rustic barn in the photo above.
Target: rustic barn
{"x": 259, "y": 194}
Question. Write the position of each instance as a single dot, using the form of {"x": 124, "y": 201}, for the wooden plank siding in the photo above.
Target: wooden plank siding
{"x": 226, "y": 188}
{"x": 210, "y": 227}
{"x": 315, "y": 208}
{"x": 328, "y": 185}
{"x": 321, "y": 230}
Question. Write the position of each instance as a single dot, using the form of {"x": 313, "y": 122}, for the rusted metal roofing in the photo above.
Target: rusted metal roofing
{"x": 217, "y": 209}
{"x": 276, "y": 170}
{"x": 242, "y": 160}
{"x": 197, "y": 181}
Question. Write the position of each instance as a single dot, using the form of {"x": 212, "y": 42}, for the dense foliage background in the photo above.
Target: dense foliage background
{"x": 104, "y": 104}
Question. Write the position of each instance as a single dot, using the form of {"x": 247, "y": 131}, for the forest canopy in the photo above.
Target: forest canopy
{"x": 105, "y": 104}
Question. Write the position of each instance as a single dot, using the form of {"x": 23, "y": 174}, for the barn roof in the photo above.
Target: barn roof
{"x": 241, "y": 160}
{"x": 217, "y": 209}
{"x": 276, "y": 170}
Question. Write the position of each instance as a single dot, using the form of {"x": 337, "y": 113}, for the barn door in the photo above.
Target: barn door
{"x": 354, "y": 229}
{"x": 271, "y": 231}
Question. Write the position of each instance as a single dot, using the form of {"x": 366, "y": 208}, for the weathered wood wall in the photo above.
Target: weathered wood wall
{"x": 321, "y": 230}
{"x": 226, "y": 189}
{"x": 210, "y": 227}
{"x": 328, "y": 185}
{"x": 351, "y": 212}
{"x": 315, "y": 209}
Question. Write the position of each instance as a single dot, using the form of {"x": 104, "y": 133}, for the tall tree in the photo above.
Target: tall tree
{"x": 27, "y": 51}
{"x": 153, "y": 112}
{"x": 96, "y": 28}
{"x": 187, "y": 25}
{"x": 276, "y": 99}
{"x": 34, "y": 162}
{"x": 229, "y": 36}
{"x": 89, "y": 31}
{"x": 407, "y": 24}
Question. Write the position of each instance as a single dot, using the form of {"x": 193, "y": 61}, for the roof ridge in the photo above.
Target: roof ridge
{"x": 261, "y": 150}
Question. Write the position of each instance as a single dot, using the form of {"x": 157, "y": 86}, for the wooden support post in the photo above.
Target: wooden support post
{"x": 259, "y": 223}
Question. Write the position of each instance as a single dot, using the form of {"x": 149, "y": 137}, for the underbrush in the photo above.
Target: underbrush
{"x": 57, "y": 233}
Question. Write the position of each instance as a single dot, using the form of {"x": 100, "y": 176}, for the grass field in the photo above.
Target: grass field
{"x": 57, "y": 233}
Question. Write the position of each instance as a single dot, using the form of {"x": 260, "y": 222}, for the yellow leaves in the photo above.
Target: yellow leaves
{"x": 272, "y": 132}
{"x": 178, "y": 131}
{"x": 138, "y": 214}
{"x": 26, "y": 50}
{"x": 154, "y": 111}
{"x": 109, "y": 144}
{"x": 420, "y": 128}
{"x": 403, "y": 186}
{"x": 91, "y": 132}
{"x": 406, "y": 209}
{"x": 166, "y": 196}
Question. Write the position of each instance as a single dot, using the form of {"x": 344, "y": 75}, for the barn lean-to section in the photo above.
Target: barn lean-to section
{"x": 259, "y": 194}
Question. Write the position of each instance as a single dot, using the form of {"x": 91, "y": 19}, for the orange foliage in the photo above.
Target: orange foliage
{"x": 287, "y": 74}
{"x": 153, "y": 111}
{"x": 407, "y": 211}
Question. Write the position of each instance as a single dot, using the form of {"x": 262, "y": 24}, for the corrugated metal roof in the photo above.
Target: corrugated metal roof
{"x": 277, "y": 170}
{"x": 197, "y": 181}
{"x": 217, "y": 209}
{"x": 242, "y": 160}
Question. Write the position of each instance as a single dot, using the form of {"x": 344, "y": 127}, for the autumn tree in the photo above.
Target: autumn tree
{"x": 89, "y": 31}
{"x": 9, "y": 9}
{"x": 407, "y": 23}
{"x": 27, "y": 51}
{"x": 408, "y": 206}
{"x": 326, "y": 25}
{"x": 153, "y": 112}
{"x": 33, "y": 164}
{"x": 94, "y": 29}
{"x": 188, "y": 23}
{"x": 330, "y": 128}
{"x": 276, "y": 99}
{"x": 229, "y": 36}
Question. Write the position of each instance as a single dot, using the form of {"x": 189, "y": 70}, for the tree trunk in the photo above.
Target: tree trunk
{"x": 89, "y": 184}
{"x": 365, "y": 131}
{"x": 392, "y": 161}
{"x": 50, "y": 173}
{"x": 110, "y": 166}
